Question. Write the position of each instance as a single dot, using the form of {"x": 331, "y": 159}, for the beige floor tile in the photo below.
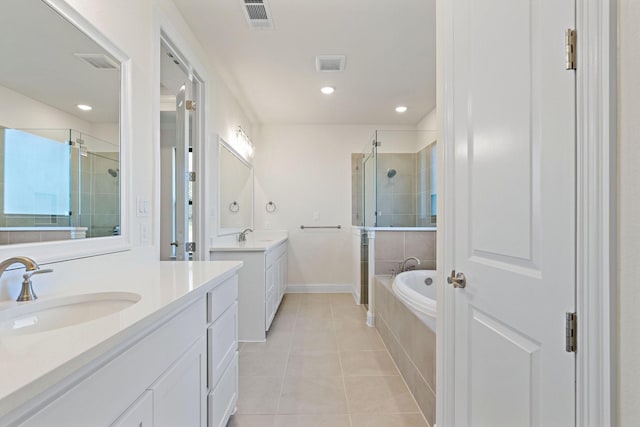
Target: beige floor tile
{"x": 276, "y": 341}
{"x": 283, "y": 322}
{"x": 316, "y": 299}
{"x": 364, "y": 338}
{"x": 387, "y": 420}
{"x": 251, "y": 421}
{"x": 367, "y": 363}
{"x": 311, "y": 323}
{"x": 315, "y": 311}
{"x": 312, "y": 395}
{"x": 316, "y": 420}
{"x": 379, "y": 395}
{"x": 319, "y": 339}
{"x": 258, "y": 395}
{"x": 263, "y": 364}
{"x": 354, "y": 312}
{"x": 343, "y": 300}
{"x": 313, "y": 364}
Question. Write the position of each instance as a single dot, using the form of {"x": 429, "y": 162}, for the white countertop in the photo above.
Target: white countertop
{"x": 31, "y": 363}
{"x": 258, "y": 241}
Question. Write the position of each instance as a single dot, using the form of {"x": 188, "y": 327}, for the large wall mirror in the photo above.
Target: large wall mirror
{"x": 61, "y": 91}
{"x": 235, "y": 179}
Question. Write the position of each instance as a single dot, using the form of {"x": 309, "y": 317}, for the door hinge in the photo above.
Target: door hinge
{"x": 191, "y": 105}
{"x": 572, "y": 40}
{"x": 572, "y": 332}
{"x": 190, "y": 246}
{"x": 191, "y": 176}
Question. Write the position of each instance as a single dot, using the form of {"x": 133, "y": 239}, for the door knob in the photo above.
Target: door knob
{"x": 174, "y": 244}
{"x": 457, "y": 280}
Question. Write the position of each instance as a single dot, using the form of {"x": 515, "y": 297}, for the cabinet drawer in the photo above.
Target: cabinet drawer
{"x": 222, "y": 339}
{"x": 223, "y": 399}
{"x": 275, "y": 253}
{"x": 140, "y": 414}
{"x": 221, "y": 298}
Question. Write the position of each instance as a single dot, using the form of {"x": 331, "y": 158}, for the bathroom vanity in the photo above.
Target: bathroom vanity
{"x": 168, "y": 357}
{"x": 261, "y": 283}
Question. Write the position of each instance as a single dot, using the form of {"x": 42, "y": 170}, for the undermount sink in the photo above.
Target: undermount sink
{"x": 44, "y": 315}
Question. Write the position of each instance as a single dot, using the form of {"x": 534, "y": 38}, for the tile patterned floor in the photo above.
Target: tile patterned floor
{"x": 321, "y": 366}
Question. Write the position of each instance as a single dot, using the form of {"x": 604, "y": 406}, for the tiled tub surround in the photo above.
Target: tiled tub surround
{"x": 322, "y": 366}
{"x": 391, "y": 247}
{"x": 412, "y": 345}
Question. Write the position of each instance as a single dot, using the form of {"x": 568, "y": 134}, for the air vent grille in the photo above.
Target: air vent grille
{"x": 330, "y": 63}
{"x": 99, "y": 61}
{"x": 257, "y": 14}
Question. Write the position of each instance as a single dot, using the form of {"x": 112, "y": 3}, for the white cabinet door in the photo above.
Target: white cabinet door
{"x": 223, "y": 343}
{"x": 140, "y": 414}
{"x": 223, "y": 399}
{"x": 179, "y": 395}
{"x": 510, "y": 212}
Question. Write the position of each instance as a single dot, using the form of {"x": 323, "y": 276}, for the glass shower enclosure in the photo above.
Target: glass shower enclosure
{"x": 394, "y": 180}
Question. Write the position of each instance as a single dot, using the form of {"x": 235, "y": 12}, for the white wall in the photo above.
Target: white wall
{"x": 306, "y": 171}
{"x": 629, "y": 213}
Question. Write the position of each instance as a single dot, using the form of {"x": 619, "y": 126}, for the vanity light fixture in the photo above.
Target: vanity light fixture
{"x": 243, "y": 145}
{"x": 401, "y": 109}
{"x": 328, "y": 90}
{"x": 84, "y": 107}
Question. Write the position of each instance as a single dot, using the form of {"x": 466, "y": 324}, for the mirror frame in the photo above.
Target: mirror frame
{"x": 62, "y": 250}
{"x": 227, "y": 231}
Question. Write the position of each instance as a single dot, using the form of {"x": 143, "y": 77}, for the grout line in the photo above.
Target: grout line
{"x": 399, "y": 371}
{"x": 344, "y": 384}
{"x": 286, "y": 365}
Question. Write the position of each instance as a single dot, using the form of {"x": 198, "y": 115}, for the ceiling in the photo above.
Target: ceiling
{"x": 389, "y": 45}
{"x": 38, "y": 61}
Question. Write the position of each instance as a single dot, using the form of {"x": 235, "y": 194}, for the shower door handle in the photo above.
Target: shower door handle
{"x": 457, "y": 280}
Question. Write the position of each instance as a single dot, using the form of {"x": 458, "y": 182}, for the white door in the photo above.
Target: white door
{"x": 511, "y": 176}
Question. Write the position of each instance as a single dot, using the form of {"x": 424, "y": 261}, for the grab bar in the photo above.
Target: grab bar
{"x": 302, "y": 227}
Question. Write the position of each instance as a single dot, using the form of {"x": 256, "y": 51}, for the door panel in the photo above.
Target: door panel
{"x": 513, "y": 212}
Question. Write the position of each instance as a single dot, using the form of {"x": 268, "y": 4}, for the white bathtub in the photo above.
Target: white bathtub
{"x": 411, "y": 288}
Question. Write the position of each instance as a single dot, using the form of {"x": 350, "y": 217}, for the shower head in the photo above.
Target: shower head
{"x": 391, "y": 173}
{"x": 113, "y": 172}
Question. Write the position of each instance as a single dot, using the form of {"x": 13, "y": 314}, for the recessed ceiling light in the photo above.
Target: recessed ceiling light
{"x": 85, "y": 107}
{"x": 328, "y": 90}
{"x": 401, "y": 109}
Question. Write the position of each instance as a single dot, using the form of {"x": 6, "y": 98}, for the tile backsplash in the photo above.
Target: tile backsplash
{"x": 391, "y": 247}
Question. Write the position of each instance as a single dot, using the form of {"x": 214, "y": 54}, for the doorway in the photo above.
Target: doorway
{"x": 180, "y": 141}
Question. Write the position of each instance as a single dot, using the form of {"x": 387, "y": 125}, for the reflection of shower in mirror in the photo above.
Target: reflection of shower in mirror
{"x": 391, "y": 173}
{"x": 113, "y": 172}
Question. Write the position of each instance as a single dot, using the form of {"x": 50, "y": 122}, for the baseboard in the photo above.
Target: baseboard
{"x": 320, "y": 289}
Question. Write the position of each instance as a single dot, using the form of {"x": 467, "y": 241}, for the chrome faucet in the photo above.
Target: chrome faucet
{"x": 242, "y": 237}
{"x": 402, "y": 266}
{"x": 26, "y": 294}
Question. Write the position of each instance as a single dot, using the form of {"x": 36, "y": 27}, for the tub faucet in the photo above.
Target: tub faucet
{"x": 242, "y": 237}
{"x": 26, "y": 294}
{"x": 402, "y": 266}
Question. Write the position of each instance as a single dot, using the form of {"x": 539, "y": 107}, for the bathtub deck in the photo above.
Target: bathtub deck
{"x": 322, "y": 366}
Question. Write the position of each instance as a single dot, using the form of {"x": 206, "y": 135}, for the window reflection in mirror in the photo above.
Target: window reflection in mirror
{"x": 60, "y": 163}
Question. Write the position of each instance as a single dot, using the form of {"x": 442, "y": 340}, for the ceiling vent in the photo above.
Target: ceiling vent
{"x": 258, "y": 14}
{"x": 330, "y": 63}
{"x": 99, "y": 61}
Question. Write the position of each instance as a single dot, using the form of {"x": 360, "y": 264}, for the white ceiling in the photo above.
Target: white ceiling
{"x": 38, "y": 61}
{"x": 389, "y": 44}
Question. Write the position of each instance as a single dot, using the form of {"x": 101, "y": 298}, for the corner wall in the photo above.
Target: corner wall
{"x": 628, "y": 354}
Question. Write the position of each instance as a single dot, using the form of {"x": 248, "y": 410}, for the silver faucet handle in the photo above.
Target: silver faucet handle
{"x": 27, "y": 275}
